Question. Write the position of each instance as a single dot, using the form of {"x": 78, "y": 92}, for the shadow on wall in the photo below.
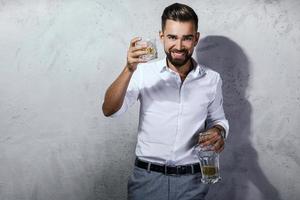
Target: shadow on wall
{"x": 239, "y": 162}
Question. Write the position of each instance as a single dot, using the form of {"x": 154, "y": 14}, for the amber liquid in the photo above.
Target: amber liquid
{"x": 209, "y": 170}
{"x": 151, "y": 54}
{"x": 150, "y": 50}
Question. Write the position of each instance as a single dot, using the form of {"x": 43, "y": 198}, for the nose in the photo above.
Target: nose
{"x": 178, "y": 45}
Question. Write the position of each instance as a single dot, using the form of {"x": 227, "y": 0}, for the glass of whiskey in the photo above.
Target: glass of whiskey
{"x": 209, "y": 163}
{"x": 151, "y": 49}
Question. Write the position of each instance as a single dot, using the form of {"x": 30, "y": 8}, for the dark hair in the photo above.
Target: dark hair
{"x": 179, "y": 12}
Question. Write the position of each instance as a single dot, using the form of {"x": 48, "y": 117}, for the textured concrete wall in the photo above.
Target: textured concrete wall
{"x": 58, "y": 57}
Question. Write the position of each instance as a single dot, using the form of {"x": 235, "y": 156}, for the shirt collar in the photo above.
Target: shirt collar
{"x": 198, "y": 70}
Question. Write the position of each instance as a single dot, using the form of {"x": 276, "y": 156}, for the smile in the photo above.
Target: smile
{"x": 178, "y": 54}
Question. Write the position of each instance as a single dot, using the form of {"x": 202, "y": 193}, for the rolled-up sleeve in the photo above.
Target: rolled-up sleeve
{"x": 216, "y": 115}
{"x": 132, "y": 94}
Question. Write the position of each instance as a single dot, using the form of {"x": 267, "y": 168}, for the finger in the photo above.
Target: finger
{"x": 215, "y": 139}
{"x": 221, "y": 149}
{"x": 207, "y": 143}
{"x": 134, "y": 40}
{"x": 137, "y": 48}
{"x": 136, "y": 60}
{"x": 209, "y": 135}
{"x": 202, "y": 140}
{"x": 205, "y": 137}
{"x": 138, "y": 53}
{"x": 218, "y": 146}
{"x": 213, "y": 132}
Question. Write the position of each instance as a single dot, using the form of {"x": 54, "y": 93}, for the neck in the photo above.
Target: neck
{"x": 182, "y": 70}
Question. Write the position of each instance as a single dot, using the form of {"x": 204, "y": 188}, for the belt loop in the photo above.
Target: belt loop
{"x": 166, "y": 170}
{"x": 149, "y": 167}
{"x": 192, "y": 166}
{"x": 178, "y": 169}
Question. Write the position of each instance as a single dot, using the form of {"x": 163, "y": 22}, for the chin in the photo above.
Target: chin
{"x": 179, "y": 62}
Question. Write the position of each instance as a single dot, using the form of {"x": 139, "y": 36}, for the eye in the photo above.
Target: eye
{"x": 188, "y": 38}
{"x": 171, "y": 37}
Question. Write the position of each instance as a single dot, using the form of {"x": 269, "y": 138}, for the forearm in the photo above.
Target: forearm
{"x": 115, "y": 94}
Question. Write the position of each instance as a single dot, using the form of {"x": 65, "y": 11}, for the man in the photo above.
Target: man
{"x": 179, "y": 99}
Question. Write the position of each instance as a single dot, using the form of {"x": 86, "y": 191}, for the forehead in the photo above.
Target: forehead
{"x": 179, "y": 28}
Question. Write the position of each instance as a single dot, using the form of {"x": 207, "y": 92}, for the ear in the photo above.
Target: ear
{"x": 161, "y": 36}
{"x": 197, "y": 38}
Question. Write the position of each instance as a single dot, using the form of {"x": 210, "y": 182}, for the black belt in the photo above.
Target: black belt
{"x": 168, "y": 170}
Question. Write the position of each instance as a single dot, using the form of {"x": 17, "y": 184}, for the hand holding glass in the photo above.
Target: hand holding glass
{"x": 209, "y": 163}
{"x": 151, "y": 49}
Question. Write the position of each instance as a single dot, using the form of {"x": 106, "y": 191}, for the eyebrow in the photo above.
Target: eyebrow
{"x": 188, "y": 35}
{"x": 184, "y": 36}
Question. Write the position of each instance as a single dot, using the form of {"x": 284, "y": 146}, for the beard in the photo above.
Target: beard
{"x": 178, "y": 62}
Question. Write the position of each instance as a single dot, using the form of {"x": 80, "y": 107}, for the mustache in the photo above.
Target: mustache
{"x": 179, "y": 51}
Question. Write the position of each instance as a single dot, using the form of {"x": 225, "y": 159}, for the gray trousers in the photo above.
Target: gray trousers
{"x": 144, "y": 185}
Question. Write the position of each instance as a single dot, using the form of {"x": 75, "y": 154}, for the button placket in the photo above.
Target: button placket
{"x": 180, "y": 110}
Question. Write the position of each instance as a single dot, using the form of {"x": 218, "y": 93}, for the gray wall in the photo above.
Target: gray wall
{"x": 58, "y": 57}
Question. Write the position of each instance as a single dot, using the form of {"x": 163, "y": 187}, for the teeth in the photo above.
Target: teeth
{"x": 179, "y": 54}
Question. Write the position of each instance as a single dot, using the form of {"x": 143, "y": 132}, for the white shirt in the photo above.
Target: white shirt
{"x": 172, "y": 112}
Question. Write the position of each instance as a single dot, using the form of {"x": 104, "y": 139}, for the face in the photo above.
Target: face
{"x": 179, "y": 40}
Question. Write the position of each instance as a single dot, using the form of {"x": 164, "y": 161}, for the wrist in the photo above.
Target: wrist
{"x": 221, "y": 131}
{"x": 129, "y": 68}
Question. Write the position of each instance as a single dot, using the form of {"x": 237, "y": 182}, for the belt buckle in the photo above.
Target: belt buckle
{"x": 171, "y": 174}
